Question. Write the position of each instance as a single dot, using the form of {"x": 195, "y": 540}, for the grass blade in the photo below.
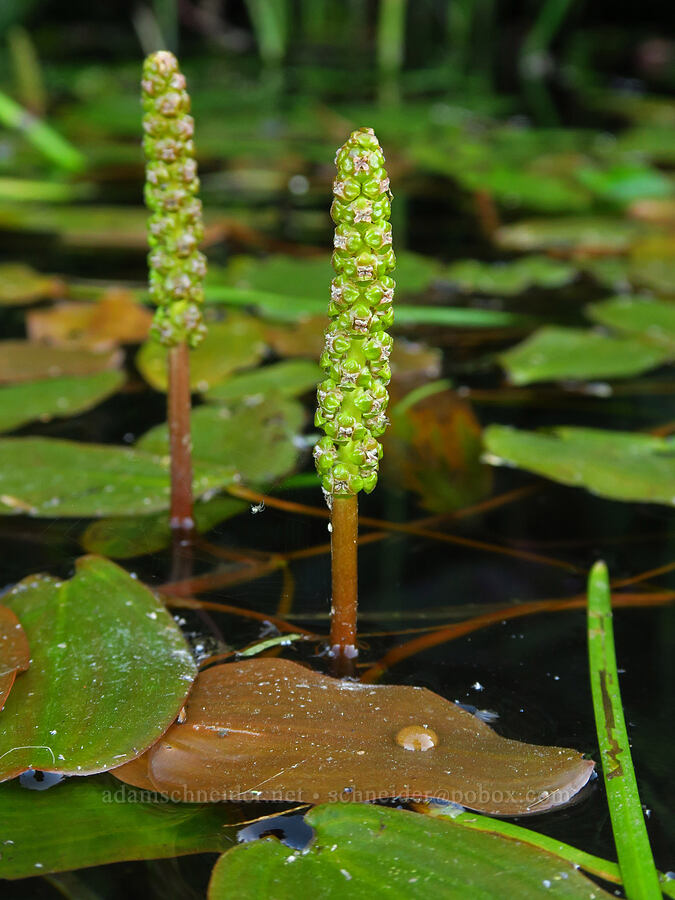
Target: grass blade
{"x": 636, "y": 863}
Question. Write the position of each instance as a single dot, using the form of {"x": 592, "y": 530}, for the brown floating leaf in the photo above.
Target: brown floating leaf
{"x": 25, "y": 361}
{"x": 20, "y": 285}
{"x": 115, "y": 319}
{"x": 270, "y": 729}
{"x": 14, "y": 651}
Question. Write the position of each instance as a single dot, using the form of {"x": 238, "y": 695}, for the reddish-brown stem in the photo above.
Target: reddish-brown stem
{"x": 343, "y": 550}
{"x": 179, "y": 440}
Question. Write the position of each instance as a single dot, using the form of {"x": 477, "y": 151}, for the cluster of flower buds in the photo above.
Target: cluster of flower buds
{"x": 352, "y": 401}
{"x": 175, "y": 229}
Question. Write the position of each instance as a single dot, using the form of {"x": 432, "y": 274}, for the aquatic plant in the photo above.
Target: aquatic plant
{"x": 177, "y": 268}
{"x": 353, "y": 398}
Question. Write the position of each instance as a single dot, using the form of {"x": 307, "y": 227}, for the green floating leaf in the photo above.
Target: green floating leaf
{"x": 615, "y": 464}
{"x": 95, "y": 821}
{"x": 258, "y": 441}
{"x": 626, "y": 182}
{"x": 27, "y": 361}
{"x": 568, "y": 235}
{"x": 109, "y": 672}
{"x": 509, "y": 278}
{"x": 21, "y": 285}
{"x": 638, "y": 872}
{"x": 651, "y": 320}
{"x": 50, "y": 477}
{"x": 123, "y": 537}
{"x": 234, "y": 344}
{"x": 289, "y": 378}
{"x": 368, "y": 851}
{"x": 54, "y": 397}
{"x": 554, "y": 353}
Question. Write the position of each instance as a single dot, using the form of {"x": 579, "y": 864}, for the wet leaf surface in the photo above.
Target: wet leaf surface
{"x": 369, "y": 851}
{"x": 14, "y": 651}
{"x": 26, "y": 361}
{"x": 55, "y": 397}
{"x": 104, "y": 825}
{"x": 78, "y": 709}
{"x": 289, "y": 378}
{"x": 615, "y": 464}
{"x": 51, "y": 477}
{"x": 234, "y": 344}
{"x": 124, "y": 537}
{"x": 258, "y": 441}
{"x": 433, "y": 448}
{"x": 21, "y": 285}
{"x": 556, "y": 353}
{"x": 651, "y": 320}
{"x": 509, "y": 278}
{"x": 114, "y": 319}
{"x": 272, "y": 729}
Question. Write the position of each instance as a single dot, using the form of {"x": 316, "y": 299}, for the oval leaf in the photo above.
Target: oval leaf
{"x": 109, "y": 672}
{"x": 50, "y": 477}
{"x": 271, "y": 729}
{"x": 359, "y": 849}
{"x": 25, "y": 361}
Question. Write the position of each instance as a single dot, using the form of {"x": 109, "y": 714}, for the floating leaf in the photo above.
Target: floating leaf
{"x": 305, "y": 337}
{"x": 258, "y": 441}
{"x": 509, "y": 278}
{"x": 651, "y": 320}
{"x": 25, "y": 361}
{"x": 289, "y": 378}
{"x": 594, "y": 236}
{"x": 615, "y": 464}
{"x": 625, "y": 182}
{"x": 234, "y": 344}
{"x": 271, "y": 729}
{"x": 14, "y": 651}
{"x": 433, "y": 448}
{"x": 54, "y": 397}
{"x": 95, "y": 821}
{"x": 115, "y": 319}
{"x": 652, "y": 264}
{"x": 50, "y": 477}
{"x": 554, "y": 353}
{"x": 365, "y": 851}
{"x": 123, "y": 537}
{"x": 94, "y": 640}
{"x": 20, "y": 285}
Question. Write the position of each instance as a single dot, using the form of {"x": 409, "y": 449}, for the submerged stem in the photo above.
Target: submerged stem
{"x": 344, "y": 543}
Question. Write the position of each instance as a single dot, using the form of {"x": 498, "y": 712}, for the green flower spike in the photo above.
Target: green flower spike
{"x": 175, "y": 229}
{"x": 353, "y": 398}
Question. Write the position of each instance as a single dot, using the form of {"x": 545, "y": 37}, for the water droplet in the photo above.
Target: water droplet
{"x": 417, "y": 737}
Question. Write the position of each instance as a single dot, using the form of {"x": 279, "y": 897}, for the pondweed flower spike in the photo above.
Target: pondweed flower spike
{"x": 352, "y": 400}
{"x": 177, "y": 268}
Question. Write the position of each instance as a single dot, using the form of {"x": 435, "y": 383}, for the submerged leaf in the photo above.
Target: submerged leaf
{"x": 95, "y": 821}
{"x": 50, "y": 477}
{"x": 26, "y": 361}
{"x": 234, "y": 344}
{"x": 272, "y": 729}
{"x": 114, "y": 319}
{"x": 14, "y": 651}
{"x": 94, "y": 640}
{"x": 258, "y": 441}
{"x": 371, "y": 851}
{"x": 614, "y": 464}
{"x": 556, "y": 353}
{"x": 54, "y": 397}
{"x": 20, "y": 285}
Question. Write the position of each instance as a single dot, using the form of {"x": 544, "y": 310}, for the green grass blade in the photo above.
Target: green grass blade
{"x": 636, "y": 863}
